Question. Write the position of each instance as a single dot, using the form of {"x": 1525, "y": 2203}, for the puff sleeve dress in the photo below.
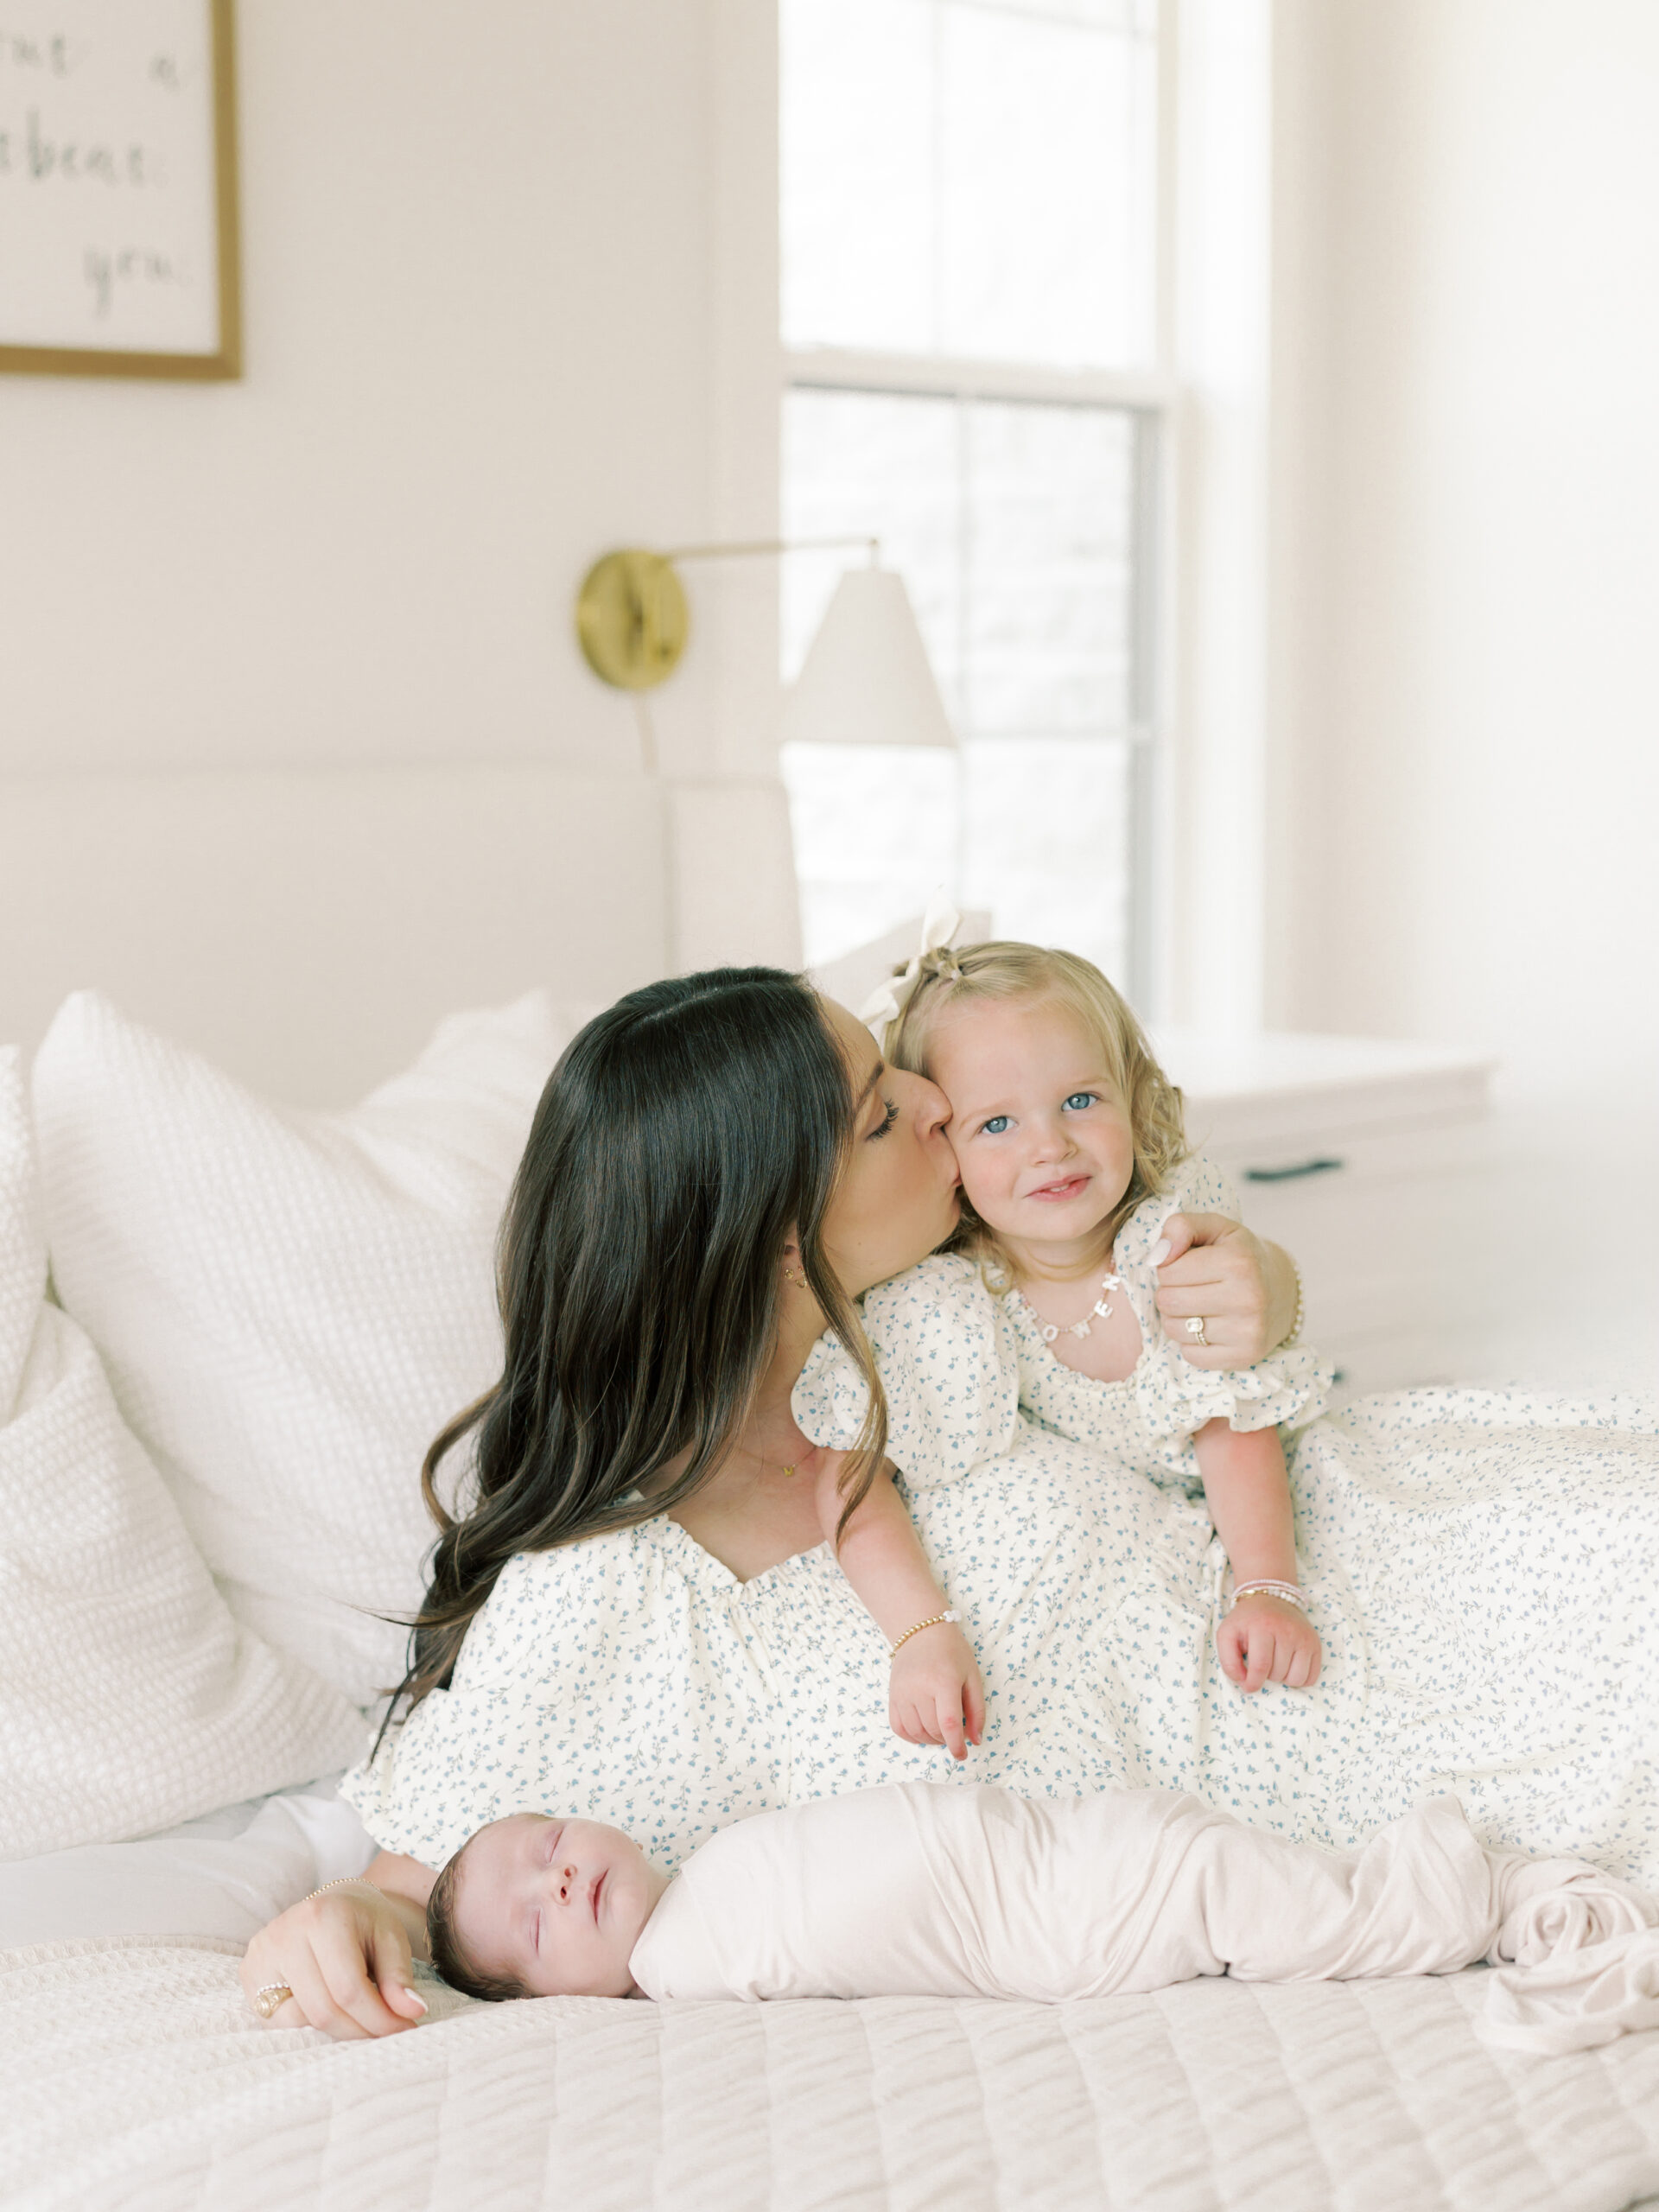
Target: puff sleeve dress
{"x": 921, "y": 1323}
{"x": 1480, "y": 1567}
{"x": 1153, "y": 1414}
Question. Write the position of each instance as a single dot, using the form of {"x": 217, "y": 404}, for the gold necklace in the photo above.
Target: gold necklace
{"x": 763, "y": 1464}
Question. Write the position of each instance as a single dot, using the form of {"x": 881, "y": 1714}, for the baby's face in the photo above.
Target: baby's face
{"x": 1041, "y": 1138}
{"x": 555, "y": 1904}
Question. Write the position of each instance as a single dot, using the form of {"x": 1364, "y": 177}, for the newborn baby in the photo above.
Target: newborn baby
{"x": 930, "y": 1888}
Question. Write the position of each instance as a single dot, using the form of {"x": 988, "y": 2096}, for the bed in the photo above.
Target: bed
{"x": 185, "y": 1685}
{"x": 136, "y": 2077}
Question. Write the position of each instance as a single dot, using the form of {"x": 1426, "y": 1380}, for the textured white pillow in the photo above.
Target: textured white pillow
{"x": 289, "y": 1305}
{"x": 129, "y": 1699}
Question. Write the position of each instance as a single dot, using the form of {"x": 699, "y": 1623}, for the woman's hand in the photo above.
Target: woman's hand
{"x": 346, "y": 1955}
{"x": 935, "y": 1696}
{"x": 1264, "y": 1640}
{"x": 1243, "y": 1288}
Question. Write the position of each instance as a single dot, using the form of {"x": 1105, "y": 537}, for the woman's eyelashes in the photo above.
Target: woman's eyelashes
{"x": 890, "y": 1115}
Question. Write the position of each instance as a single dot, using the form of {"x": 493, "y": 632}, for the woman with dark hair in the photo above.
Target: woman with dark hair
{"x": 631, "y": 1613}
{"x": 630, "y": 1604}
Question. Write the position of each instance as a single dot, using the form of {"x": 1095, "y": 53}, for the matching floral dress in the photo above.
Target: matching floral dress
{"x": 1481, "y": 1568}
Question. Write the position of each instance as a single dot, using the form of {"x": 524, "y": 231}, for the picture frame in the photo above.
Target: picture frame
{"x": 118, "y": 207}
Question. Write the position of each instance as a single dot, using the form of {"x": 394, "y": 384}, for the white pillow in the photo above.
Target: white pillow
{"x": 291, "y": 1304}
{"x": 128, "y": 1697}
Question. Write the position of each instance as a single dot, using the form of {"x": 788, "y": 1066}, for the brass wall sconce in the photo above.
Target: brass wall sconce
{"x": 866, "y": 679}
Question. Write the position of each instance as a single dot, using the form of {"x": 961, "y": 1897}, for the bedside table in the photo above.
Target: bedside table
{"x": 1372, "y": 1163}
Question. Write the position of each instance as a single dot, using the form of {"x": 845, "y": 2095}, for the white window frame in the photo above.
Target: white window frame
{"x": 1217, "y": 583}
{"x": 1149, "y": 396}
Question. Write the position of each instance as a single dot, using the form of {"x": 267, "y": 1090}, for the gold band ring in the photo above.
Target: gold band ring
{"x": 270, "y": 1999}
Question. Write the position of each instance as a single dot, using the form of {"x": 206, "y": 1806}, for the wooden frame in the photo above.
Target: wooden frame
{"x": 226, "y": 361}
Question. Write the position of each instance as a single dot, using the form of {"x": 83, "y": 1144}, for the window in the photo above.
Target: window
{"x": 971, "y": 233}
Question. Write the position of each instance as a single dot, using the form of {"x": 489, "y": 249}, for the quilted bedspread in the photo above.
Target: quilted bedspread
{"x": 134, "y": 2077}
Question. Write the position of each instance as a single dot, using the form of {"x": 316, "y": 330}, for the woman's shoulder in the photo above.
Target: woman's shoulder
{"x": 568, "y": 1588}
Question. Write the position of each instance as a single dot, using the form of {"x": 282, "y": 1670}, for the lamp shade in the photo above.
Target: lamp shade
{"x": 866, "y": 679}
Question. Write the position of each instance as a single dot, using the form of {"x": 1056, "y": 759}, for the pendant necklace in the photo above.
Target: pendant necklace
{"x": 1102, "y": 1308}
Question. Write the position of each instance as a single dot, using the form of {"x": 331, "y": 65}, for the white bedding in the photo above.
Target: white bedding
{"x": 136, "y": 2076}
{"x": 223, "y": 1875}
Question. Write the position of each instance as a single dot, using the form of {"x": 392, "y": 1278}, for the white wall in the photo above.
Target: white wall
{"x": 503, "y": 276}
{"x": 1466, "y": 782}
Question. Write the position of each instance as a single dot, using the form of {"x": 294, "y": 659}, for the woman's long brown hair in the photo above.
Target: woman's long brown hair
{"x": 685, "y": 1133}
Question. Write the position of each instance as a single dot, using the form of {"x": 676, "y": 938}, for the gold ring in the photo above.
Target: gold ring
{"x": 1195, "y": 1329}
{"x": 270, "y": 1999}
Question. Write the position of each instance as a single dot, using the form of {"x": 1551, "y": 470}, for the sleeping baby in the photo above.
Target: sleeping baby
{"x": 929, "y": 1889}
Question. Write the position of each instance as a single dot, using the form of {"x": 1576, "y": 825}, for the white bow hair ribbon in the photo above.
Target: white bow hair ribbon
{"x": 888, "y": 1001}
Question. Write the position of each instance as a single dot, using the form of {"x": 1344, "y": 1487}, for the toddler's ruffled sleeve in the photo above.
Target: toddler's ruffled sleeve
{"x": 949, "y": 1373}
{"x": 1175, "y": 1398}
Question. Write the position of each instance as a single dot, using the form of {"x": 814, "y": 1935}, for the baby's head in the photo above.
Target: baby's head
{"x": 1061, "y": 1119}
{"x": 537, "y": 1905}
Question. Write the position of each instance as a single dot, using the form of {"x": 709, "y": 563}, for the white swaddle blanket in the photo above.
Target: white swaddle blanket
{"x": 916, "y": 1888}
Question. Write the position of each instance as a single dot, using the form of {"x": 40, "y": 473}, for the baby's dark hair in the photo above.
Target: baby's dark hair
{"x": 447, "y": 1956}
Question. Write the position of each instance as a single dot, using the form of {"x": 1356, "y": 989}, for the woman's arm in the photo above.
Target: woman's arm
{"x": 1262, "y": 1639}
{"x": 1244, "y": 1288}
{"x": 934, "y": 1694}
{"x": 346, "y": 1953}
{"x": 405, "y": 1882}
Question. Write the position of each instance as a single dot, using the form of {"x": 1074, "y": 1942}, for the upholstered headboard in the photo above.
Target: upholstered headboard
{"x": 306, "y": 928}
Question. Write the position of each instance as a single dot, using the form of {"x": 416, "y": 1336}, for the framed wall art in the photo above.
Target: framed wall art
{"x": 117, "y": 188}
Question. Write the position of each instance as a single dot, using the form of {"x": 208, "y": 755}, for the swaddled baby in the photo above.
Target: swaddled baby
{"x": 940, "y": 1890}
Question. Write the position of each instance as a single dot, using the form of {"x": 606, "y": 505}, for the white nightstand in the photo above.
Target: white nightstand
{"x": 1372, "y": 1162}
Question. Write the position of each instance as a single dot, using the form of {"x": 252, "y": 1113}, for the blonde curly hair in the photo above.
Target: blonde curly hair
{"x": 1005, "y": 970}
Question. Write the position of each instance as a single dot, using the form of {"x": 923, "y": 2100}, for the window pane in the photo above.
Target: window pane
{"x": 875, "y": 828}
{"x": 1047, "y": 842}
{"x": 1044, "y": 205}
{"x": 857, "y": 207}
{"x": 1011, "y": 525}
{"x": 870, "y": 463}
{"x": 971, "y": 176}
{"x": 1049, "y": 492}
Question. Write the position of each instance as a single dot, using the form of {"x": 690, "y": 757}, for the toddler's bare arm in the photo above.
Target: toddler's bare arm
{"x": 934, "y": 1694}
{"x": 1262, "y": 1639}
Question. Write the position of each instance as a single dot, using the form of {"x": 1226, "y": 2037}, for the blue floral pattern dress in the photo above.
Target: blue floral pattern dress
{"x": 1480, "y": 1565}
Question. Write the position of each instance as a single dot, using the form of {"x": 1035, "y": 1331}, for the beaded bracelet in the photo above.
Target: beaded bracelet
{"x": 340, "y": 1882}
{"x": 1267, "y": 1586}
{"x": 932, "y": 1621}
{"x": 1285, "y": 1342}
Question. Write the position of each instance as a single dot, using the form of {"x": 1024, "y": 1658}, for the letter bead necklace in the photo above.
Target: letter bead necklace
{"x": 1102, "y": 1308}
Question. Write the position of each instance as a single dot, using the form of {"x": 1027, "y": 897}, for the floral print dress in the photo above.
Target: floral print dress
{"x": 1480, "y": 1567}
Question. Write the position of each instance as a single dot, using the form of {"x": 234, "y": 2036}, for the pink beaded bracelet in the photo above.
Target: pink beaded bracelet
{"x": 1268, "y": 1586}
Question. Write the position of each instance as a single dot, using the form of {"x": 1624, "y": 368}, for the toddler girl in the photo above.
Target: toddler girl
{"x": 1070, "y": 1143}
{"x": 1069, "y": 1139}
{"x": 921, "y": 1889}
